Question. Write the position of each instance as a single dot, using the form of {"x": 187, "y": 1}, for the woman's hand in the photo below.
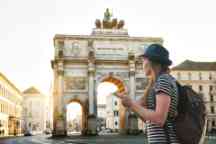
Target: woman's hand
{"x": 125, "y": 99}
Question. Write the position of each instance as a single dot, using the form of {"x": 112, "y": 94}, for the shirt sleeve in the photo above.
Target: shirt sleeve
{"x": 163, "y": 85}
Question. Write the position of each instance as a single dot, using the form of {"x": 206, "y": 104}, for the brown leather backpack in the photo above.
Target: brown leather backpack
{"x": 190, "y": 119}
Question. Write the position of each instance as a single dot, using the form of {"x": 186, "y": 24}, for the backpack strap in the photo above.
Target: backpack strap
{"x": 174, "y": 116}
{"x": 167, "y": 133}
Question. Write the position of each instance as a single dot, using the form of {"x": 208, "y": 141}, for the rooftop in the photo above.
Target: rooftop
{"x": 31, "y": 90}
{"x": 196, "y": 66}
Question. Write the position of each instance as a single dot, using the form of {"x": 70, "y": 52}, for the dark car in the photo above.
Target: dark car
{"x": 27, "y": 134}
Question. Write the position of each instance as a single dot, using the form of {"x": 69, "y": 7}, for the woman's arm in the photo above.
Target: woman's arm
{"x": 141, "y": 102}
{"x": 159, "y": 115}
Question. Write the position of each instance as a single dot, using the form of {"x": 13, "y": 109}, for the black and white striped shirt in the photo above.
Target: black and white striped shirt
{"x": 156, "y": 134}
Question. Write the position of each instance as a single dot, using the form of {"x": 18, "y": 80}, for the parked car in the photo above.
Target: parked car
{"x": 27, "y": 134}
{"x": 47, "y": 131}
{"x": 105, "y": 131}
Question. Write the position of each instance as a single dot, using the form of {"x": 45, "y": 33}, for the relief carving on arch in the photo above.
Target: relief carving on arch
{"x": 75, "y": 83}
{"x": 120, "y": 75}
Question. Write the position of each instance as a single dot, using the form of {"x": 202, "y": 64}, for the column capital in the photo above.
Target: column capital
{"x": 132, "y": 73}
{"x": 91, "y": 72}
{"x": 132, "y": 69}
{"x": 131, "y": 56}
{"x": 91, "y": 68}
{"x": 60, "y": 72}
{"x": 91, "y": 56}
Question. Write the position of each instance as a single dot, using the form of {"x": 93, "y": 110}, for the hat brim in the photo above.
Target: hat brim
{"x": 167, "y": 62}
{"x": 141, "y": 56}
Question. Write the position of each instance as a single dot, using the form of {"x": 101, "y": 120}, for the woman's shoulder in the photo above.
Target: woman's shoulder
{"x": 167, "y": 78}
{"x": 164, "y": 76}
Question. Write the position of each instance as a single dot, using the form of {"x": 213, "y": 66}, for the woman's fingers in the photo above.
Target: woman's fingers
{"x": 120, "y": 95}
{"x": 126, "y": 101}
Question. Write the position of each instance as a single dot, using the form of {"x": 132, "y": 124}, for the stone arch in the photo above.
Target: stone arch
{"x": 84, "y": 109}
{"x": 117, "y": 82}
{"x": 115, "y": 79}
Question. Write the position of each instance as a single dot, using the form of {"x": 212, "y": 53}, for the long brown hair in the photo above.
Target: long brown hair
{"x": 151, "y": 81}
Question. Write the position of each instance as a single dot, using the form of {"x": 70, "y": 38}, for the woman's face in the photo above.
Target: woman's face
{"x": 146, "y": 66}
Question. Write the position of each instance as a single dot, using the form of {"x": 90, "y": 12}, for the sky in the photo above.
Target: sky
{"x": 27, "y": 28}
{"x": 104, "y": 90}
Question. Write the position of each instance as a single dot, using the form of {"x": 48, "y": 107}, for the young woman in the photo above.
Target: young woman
{"x": 159, "y": 104}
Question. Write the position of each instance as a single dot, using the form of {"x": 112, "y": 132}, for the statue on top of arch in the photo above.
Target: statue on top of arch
{"x": 109, "y": 23}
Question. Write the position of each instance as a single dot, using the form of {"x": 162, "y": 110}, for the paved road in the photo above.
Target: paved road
{"x": 108, "y": 139}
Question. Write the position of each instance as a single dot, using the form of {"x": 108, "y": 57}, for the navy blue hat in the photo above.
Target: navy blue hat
{"x": 157, "y": 53}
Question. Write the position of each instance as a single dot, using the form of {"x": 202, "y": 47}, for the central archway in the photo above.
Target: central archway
{"x": 76, "y": 117}
{"x": 117, "y": 113}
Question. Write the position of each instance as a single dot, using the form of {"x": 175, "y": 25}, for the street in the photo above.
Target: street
{"x": 108, "y": 139}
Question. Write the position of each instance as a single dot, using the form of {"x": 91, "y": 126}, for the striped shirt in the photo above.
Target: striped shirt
{"x": 156, "y": 134}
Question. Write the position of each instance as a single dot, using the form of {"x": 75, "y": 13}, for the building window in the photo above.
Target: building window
{"x": 200, "y": 88}
{"x": 210, "y": 88}
{"x": 189, "y": 76}
{"x": 3, "y": 92}
{"x": 1, "y": 108}
{"x": 116, "y": 113}
{"x": 211, "y": 98}
{"x": 213, "y": 123}
{"x": 212, "y": 110}
{"x": 210, "y": 76}
{"x": 179, "y": 76}
{"x": 200, "y": 76}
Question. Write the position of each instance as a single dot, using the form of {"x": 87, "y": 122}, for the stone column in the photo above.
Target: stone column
{"x": 123, "y": 119}
{"x": 91, "y": 88}
{"x": 92, "y": 117}
{"x": 132, "y": 118}
{"x": 59, "y": 113}
{"x": 209, "y": 124}
{"x": 132, "y": 91}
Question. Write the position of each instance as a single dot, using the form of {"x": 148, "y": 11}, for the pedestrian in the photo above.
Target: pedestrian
{"x": 160, "y": 99}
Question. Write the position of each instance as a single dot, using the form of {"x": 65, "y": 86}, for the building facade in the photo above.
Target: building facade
{"x": 102, "y": 116}
{"x": 101, "y": 111}
{"x": 35, "y": 111}
{"x": 112, "y": 112}
{"x": 201, "y": 76}
{"x": 10, "y": 108}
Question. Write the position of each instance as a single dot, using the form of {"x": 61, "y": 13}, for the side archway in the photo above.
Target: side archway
{"x": 84, "y": 114}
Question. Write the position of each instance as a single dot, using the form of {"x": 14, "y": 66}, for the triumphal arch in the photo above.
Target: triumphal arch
{"x": 82, "y": 62}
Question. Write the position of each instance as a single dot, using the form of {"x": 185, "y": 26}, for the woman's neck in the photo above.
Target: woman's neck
{"x": 155, "y": 74}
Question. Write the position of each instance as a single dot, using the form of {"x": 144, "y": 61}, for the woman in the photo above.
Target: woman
{"x": 159, "y": 104}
